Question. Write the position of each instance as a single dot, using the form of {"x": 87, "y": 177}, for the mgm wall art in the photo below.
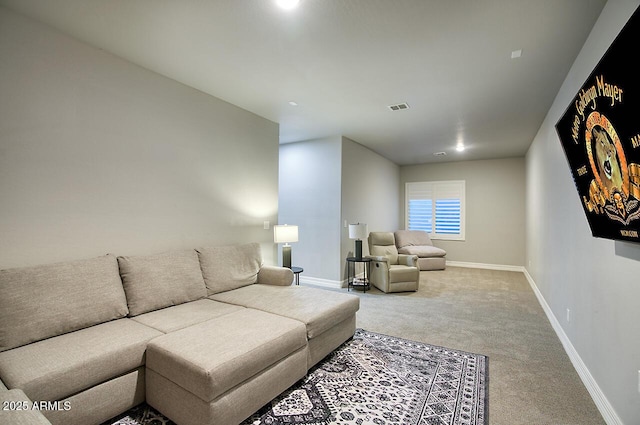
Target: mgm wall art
{"x": 600, "y": 134}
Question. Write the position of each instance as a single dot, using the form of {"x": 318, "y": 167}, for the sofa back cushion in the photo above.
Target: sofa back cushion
{"x": 157, "y": 281}
{"x": 230, "y": 267}
{"x": 45, "y": 301}
{"x": 382, "y": 244}
{"x": 412, "y": 238}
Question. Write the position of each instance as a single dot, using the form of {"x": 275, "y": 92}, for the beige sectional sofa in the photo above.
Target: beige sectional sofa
{"x": 205, "y": 336}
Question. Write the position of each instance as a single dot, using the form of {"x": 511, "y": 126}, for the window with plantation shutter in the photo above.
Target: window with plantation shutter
{"x": 437, "y": 208}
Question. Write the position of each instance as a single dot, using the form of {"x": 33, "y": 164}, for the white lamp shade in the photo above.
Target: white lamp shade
{"x": 358, "y": 231}
{"x": 284, "y": 233}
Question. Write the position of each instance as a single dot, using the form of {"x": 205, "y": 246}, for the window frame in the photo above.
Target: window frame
{"x": 437, "y": 190}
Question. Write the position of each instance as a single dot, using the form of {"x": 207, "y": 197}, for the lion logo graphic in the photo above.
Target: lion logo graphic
{"x": 610, "y": 190}
{"x": 606, "y": 161}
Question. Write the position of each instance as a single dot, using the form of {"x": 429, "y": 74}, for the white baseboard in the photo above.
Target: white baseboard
{"x": 485, "y": 266}
{"x": 606, "y": 410}
{"x": 334, "y": 284}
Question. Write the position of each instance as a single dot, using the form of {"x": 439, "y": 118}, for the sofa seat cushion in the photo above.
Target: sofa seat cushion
{"x": 212, "y": 357}
{"x": 229, "y": 267}
{"x": 399, "y": 273}
{"x": 58, "y": 367}
{"x": 44, "y": 301}
{"x": 180, "y": 316}
{"x": 157, "y": 281}
{"x": 425, "y": 251}
{"x": 318, "y": 309}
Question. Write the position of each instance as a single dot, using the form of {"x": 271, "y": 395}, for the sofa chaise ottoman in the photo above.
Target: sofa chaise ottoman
{"x": 223, "y": 370}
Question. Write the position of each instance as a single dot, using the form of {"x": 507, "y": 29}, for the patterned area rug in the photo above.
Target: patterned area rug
{"x": 375, "y": 379}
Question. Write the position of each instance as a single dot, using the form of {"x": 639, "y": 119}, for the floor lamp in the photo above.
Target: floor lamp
{"x": 284, "y": 233}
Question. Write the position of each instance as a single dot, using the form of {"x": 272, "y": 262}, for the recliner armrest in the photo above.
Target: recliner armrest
{"x": 274, "y": 275}
{"x": 408, "y": 260}
{"x": 378, "y": 258}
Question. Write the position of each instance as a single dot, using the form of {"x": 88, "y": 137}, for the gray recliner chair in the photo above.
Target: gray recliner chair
{"x": 390, "y": 271}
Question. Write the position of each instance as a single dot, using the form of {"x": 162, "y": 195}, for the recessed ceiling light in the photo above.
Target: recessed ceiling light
{"x": 460, "y": 148}
{"x": 516, "y": 54}
{"x": 292, "y": 103}
{"x": 287, "y": 4}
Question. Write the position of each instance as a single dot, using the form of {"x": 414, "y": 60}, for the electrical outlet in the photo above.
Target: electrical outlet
{"x": 568, "y": 316}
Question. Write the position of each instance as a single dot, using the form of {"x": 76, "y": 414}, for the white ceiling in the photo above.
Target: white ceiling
{"x": 344, "y": 61}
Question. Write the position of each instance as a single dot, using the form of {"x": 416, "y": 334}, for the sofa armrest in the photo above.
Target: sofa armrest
{"x": 17, "y": 409}
{"x": 408, "y": 260}
{"x": 274, "y": 275}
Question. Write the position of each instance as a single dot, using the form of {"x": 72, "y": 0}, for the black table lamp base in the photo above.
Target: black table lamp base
{"x": 286, "y": 256}
{"x": 358, "y": 249}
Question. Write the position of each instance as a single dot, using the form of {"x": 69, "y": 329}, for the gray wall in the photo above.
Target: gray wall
{"x": 597, "y": 279}
{"x": 325, "y": 182}
{"x": 370, "y": 191}
{"x": 98, "y": 155}
{"x": 310, "y": 198}
{"x": 495, "y": 208}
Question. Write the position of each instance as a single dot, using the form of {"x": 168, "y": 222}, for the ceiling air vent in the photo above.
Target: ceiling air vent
{"x": 439, "y": 154}
{"x": 399, "y": 107}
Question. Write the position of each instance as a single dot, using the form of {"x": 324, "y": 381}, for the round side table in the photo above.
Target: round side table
{"x": 358, "y": 282}
{"x": 296, "y": 274}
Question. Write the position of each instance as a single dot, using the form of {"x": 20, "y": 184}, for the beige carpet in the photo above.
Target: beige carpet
{"x": 495, "y": 313}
